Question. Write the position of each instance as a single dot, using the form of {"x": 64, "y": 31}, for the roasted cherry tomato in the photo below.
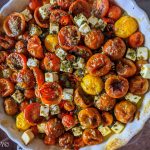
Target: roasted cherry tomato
{"x": 23, "y": 105}
{"x": 80, "y": 6}
{"x": 138, "y": 85}
{"x": 69, "y": 106}
{"x": 89, "y": 118}
{"x": 50, "y": 93}
{"x": 92, "y": 137}
{"x": 136, "y": 40}
{"x": 68, "y": 37}
{"x": 25, "y": 79}
{"x": 32, "y": 113}
{"x": 116, "y": 86}
{"x": 78, "y": 143}
{"x": 68, "y": 121}
{"x": 126, "y": 68}
{"x": 17, "y": 61}
{"x": 49, "y": 140}
{"x": 6, "y": 87}
{"x": 34, "y": 4}
{"x": 64, "y": 4}
{"x": 107, "y": 118}
{"x": 115, "y": 48}
{"x": 34, "y": 47}
{"x": 29, "y": 94}
{"x": 21, "y": 47}
{"x": 3, "y": 56}
{"x": 14, "y": 24}
{"x": 51, "y": 62}
{"x": 94, "y": 39}
{"x": 124, "y": 111}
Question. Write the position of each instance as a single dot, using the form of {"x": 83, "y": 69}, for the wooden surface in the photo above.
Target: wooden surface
{"x": 140, "y": 142}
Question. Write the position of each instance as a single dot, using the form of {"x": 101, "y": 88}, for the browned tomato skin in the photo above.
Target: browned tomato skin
{"x": 65, "y": 4}
{"x": 89, "y": 118}
{"x": 107, "y": 119}
{"x": 49, "y": 141}
{"x": 124, "y": 111}
{"x": 126, "y": 68}
{"x": 115, "y": 48}
{"x": 94, "y": 39}
{"x": 92, "y": 137}
{"x": 21, "y": 47}
{"x": 69, "y": 106}
{"x": 78, "y": 143}
{"x": 138, "y": 85}
{"x": 98, "y": 65}
{"x": 139, "y": 64}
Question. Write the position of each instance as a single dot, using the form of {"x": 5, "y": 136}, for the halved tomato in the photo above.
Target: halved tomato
{"x": 68, "y": 121}
{"x": 34, "y": 4}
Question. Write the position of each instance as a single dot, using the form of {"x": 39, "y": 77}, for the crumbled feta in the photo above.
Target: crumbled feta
{"x": 101, "y": 24}
{"x": 41, "y": 127}
{"x": 44, "y": 110}
{"x": 27, "y": 136}
{"x": 104, "y": 130}
{"x": 35, "y": 30}
{"x": 68, "y": 94}
{"x": 93, "y": 21}
{"x": 132, "y": 98}
{"x": 77, "y": 131}
{"x": 32, "y": 62}
{"x": 51, "y": 76}
{"x": 84, "y": 28}
{"x": 44, "y": 11}
{"x": 131, "y": 54}
{"x": 6, "y": 73}
{"x": 61, "y": 53}
{"x": 66, "y": 66}
{"x": 54, "y": 109}
{"x": 79, "y": 64}
{"x": 142, "y": 53}
{"x": 27, "y": 14}
{"x": 117, "y": 127}
{"x": 145, "y": 71}
{"x": 54, "y": 28}
{"x": 52, "y": 2}
{"x": 80, "y": 19}
{"x": 18, "y": 96}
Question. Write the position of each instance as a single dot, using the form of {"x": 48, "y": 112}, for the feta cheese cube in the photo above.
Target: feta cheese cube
{"x": 104, "y": 130}
{"x": 68, "y": 94}
{"x": 44, "y": 110}
{"x": 6, "y": 73}
{"x": 132, "y": 98}
{"x": 93, "y": 21}
{"x": 27, "y": 14}
{"x": 54, "y": 28}
{"x": 77, "y": 131}
{"x": 66, "y": 66}
{"x": 18, "y": 96}
{"x": 142, "y": 53}
{"x": 84, "y": 28}
{"x": 145, "y": 71}
{"x": 51, "y": 76}
{"x": 44, "y": 11}
{"x": 61, "y": 53}
{"x": 80, "y": 19}
{"x": 41, "y": 127}
{"x": 32, "y": 62}
{"x": 52, "y": 2}
{"x": 131, "y": 54}
{"x": 35, "y": 30}
{"x": 54, "y": 109}
{"x": 101, "y": 24}
{"x": 117, "y": 127}
{"x": 27, "y": 136}
{"x": 79, "y": 64}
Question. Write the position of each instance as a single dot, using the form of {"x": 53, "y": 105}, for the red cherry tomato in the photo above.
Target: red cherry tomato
{"x": 29, "y": 94}
{"x": 34, "y": 4}
{"x": 23, "y": 105}
{"x": 68, "y": 121}
{"x": 65, "y": 4}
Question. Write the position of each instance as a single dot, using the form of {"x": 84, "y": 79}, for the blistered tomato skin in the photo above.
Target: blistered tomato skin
{"x": 107, "y": 119}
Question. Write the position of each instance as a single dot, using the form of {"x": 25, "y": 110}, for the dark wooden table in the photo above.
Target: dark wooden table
{"x": 140, "y": 142}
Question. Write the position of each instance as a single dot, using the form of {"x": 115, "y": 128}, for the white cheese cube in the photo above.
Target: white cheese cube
{"x": 51, "y": 76}
{"x": 52, "y": 2}
{"x": 101, "y": 24}
{"x": 68, "y": 94}
{"x": 41, "y": 127}
{"x": 27, "y": 136}
{"x": 18, "y": 96}
{"x": 84, "y": 28}
{"x": 77, "y": 131}
{"x": 104, "y": 130}
{"x": 145, "y": 71}
{"x": 142, "y": 53}
{"x": 80, "y": 19}
{"x": 32, "y": 62}
{"x": 35, "y": 30}
{"x": 27, "y": 14}
{"x": 44, "y": 110}
{"x": 93, "y": 21}
{"x": 54, "y": 28}
{"x": 66, "y": 66}
{"x": 132, "y": 98}
{"x": 117, "y": 127}
{"x": 44, "y": 11}
{"x": 131, "y": 54}
{"x": 79, "y": 64}
{"x": 61, "y": 53}
{"x": 54, "y": 109}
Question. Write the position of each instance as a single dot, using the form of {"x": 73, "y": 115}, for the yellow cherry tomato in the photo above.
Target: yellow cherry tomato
{"x": 21, "y": 122}
{"x": 51, "y": 41}
{"x": 92, "y": 85}
{"x": 125, "y": 26}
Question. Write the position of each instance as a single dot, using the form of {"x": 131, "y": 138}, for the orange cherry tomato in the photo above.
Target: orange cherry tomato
{"x": 51, "y": 62}
{"x": 6, "y": 87}
{"x": 29, "y": 94}
{"x": 68, "y": 121}
{"x": 136, "y": 40}
{"x": 98, "y": 65}
{"x": 34, "y": 4}
{"x": 64, "y": 4}
{"x": 78, "y": 143}
{"x": 107, "y": 118}
{"x": 3, "y": 56}
{"x": 69, "y": 106}
{"x": 34, "y": 47}
{"x": 49, "y": 140}
{"x": 50, "y": 93}
{"x": 23, "y": 105}
{"x": 14, "y": 24}
{"x": 68, "y": 37}
{"x": 17, "y": 61}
